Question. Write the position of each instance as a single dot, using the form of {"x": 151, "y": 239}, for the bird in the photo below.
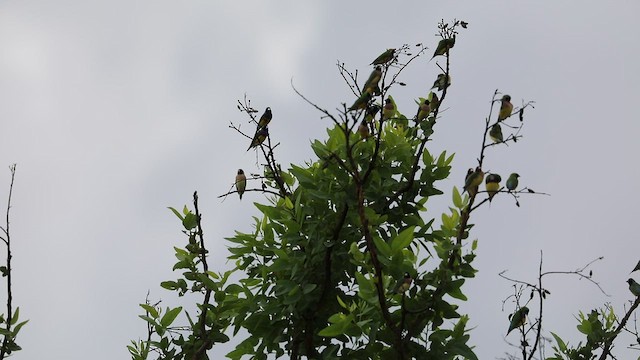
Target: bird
{"x": 265, "y": 118}
{"x": 241, "y": 182}
{"x": 442, "y": 81}
{"x": 372, "y": 82}
{"x": 404, "y": 284}
{"x": 518, "y": 318}
{"x": 634, "y": 287}
{"x": 512, "y": 181}
{"x": 361, "y": 102}
{"x": 385, "y": 57}
{"x": 433, "y": 100}
{"x": 636, "y": 268}
{"x": 506, "y": 107}
{"x": 363, "y": 129}
{"x": 443, "y": 46}
{"x": 473, "y": 180}
{"x": 389, "y": 109}
{"x": 495, "y": 133}
{"x": 371, "y": 112}
{"x": 259, "y": 137}
{"x": 492, "y": 183}
{"x": 423, "y": 111}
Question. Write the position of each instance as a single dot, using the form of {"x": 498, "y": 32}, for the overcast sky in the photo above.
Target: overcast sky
{"x": 114, "y": 110}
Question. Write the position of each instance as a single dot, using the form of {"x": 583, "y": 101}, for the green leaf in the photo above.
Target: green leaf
{"x": 15, "y": 317}
{"x": 170, "y": 316}
{"x": 177, "y": 213}
{"x": 383, "y": 248}
{"x": 457, "y": 199}
{"x": 18, "y": 327}
{"x": 561, "y": 345}
{"x": 150, "y": 309}
{"x": 402, "y": 240}
{"x": 190, "y": 221}
{"x": 169, "y": 285}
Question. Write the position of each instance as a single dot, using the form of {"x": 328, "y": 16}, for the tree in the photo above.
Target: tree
{"x": 345, "y": 260}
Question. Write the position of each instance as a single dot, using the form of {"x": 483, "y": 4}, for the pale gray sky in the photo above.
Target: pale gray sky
{"x": 114, "y": 110}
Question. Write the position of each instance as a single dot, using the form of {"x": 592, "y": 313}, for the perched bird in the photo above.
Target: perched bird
{"x": 473, "y": 180}
{"x": 385, "y": 57}
{"x": 371, "y": 112}
{"x": 492, "y": 183}
{"x": 361, "y": 102}
{"x": 404, "y": 284}
{"x": 442, "y": 81}
{"x": 495, "y": 133}
{"x": 265, "y": 118}
{"x": 363, "y": 129}
{"x": 506, "y": 107}
{"x": 241, "y": 182}
{"x": 372, "y": 82}
{"x": 634, "y": 287}
{"x": 636, "y": 268}
{"x": 443, "y": 46}
{"x": 518, "y": 318}
{"x": 512, "y": 181}
{"x": 259, "y": 137}
{"x": 433, "y": 100}
{"x": 389, "y": 109}
{"x": 423, "y": 111}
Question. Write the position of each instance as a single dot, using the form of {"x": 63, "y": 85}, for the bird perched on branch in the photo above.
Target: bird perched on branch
{"x": 361, "y": 102}
{"x": 512, "y": 182}
{"x": 371, "y": 85}
{"x": 506, "y": 107}
{"x": 265, "y": 119}
{"x": 259, "y": 137}
{"x": 389, "y": 108}
{"x": 492, "y": 183}
{"x": 423, "y": 111}
{"x": 518, "y": 318}
{"x": 404, "y": 284}
{"x": 634, "y": 287}
{"x": 363, "y": 129}
{"x": 473, "y": 180}
{"x": 384, "y": 58}
{"x": 241, "y": 182}
{"x": 495, "y": 133}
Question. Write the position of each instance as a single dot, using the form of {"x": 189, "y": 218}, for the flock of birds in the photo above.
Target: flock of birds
{"x": 370, "y": 89}
{"x": 473, "y": 178}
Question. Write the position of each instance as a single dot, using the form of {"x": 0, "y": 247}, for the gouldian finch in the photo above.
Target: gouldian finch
{"x": 506, "y": 107}
{"x": 389, "y": 109}
{"x": 473, "y": 180}
{"x": 361, "y": 102}
{"x": 265, "y": 118}
{"x": 384, "y": 58}
{"x": 442, "y": 81}
{"x": 423, "y": 111}
{"x": 433, "y": 100}
{"x": 363, "y": 129}
{"x": 492, "y": 183}
{"x": 372, "y": 82}
{"x": 512, "y": 181}
{"x": 371, "y": 112}
{"x": 634, "y": 287}
{"x": 636, "y": 268}
{"x": 443, "y": 46}
{"x": 259, "y": 137}
{"x": 495, "y": 133}
{"x": 241, "y": 182}
{"x": 518, "y": 318}
{"x": 404, "y": 284}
